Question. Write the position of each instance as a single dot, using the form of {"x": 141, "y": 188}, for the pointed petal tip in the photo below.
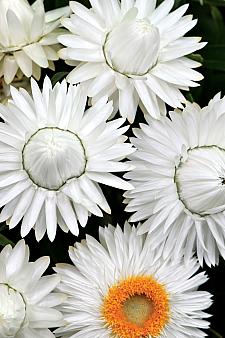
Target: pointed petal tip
{"x": 46, "y": 260}
{"x": 62, "y": 53}
{"x": 51, "y": 238}
{"x": 130, "y": 120}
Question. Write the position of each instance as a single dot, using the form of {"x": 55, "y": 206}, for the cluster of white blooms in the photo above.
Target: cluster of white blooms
{"x": 59, "y": 144}
{"x": 117, "y": 288}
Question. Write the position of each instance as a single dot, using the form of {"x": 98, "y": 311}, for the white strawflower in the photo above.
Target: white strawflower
{"x": 132, "y": 51}
{"x": 53, "y": 153}
{"x": 28, "y": 38}
{"x": 26, "y": 298}
{"x": 118, "y": 288}
{"x": 179, "y": 180}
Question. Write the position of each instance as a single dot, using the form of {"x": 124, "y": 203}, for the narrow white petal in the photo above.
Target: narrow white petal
{"x": 161, "y": 11}
{"x": 10, "y": 68}
{"x": 82, "y": 54}
{"x": 24, "y": 62}
{"x": 32, "y": 213}
{"x": 51, "y": 217}
{"x": 145, "y": 7}
{"x": 148, "y": 99}
{"x": 67, "y": 212}
{"x": 22, "y": 206}
{"x": 84, "y": 72}
{"x": 111, "y": 180}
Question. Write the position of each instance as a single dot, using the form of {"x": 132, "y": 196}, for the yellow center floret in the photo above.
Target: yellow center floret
{"x": 137, "y": 307}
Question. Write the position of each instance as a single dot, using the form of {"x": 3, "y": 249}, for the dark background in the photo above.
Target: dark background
{"x": 211, "y": 26}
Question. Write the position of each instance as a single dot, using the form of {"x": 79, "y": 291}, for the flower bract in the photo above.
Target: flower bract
{"x": 179, "y": 182}
{"x": 28, "y": 38}
{"x": 120, "y": 288}
{"x": 132, "y": 51}
{"x": 27, "y": 306}
{"x": 53, "y": 154}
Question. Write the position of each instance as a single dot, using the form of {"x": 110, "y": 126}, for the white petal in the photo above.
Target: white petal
{"x": 161, "y": 11}
{"x": 87, "y": 30}
{"x": 84, "y": 72}
{"x": 82, "y": 54}
{"x": 38, "y": 23}
{"x": 109, "y": 10}
{"x": 10, "y": 68}
{"x": 148, "y": 99}
{"x": 111, "y": 180}
{"x": 170, "y": 95}
{"x": 36, "y": 53}
{"x": 16, "y": 29}
{"x": 32, "y": 213}
{"x": 145, "y": 7}
{"x": 103, "y": 80}
{"x": 57, "y": 13}
{"x": 51, "y": 217}
{"x": 67, "y": 212}
{"x": 24, "y": 62}
{"x": 22, "y": 206}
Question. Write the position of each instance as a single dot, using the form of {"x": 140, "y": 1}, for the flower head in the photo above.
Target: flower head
{"x": 119, "y": 288}
{"x": 27, "y": 301}
{"x": 53, "y": 153}
{"x": 179, "y": 181}
{"x": 132, "y": 51}
{"x": 28, "y": 38}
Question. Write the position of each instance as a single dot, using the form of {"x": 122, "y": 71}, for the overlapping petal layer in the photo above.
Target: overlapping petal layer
{"x": 179, "y": 182}
{"x": 28, "y": 38}
{"x": 28, "y": 303}
{"x": 53, "y": 154}
{"x": 113, "y": 284}
{"x": 133, "y": 52}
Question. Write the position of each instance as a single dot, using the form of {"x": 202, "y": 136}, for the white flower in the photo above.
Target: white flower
{"x": 26, "y": 298}
{"x": 120, "y": 289}
{"x": 28, "y": 38}
{"x": 53, "y": 153}
{"x": 132, "y": 51}
{"x": 179, "y": 180}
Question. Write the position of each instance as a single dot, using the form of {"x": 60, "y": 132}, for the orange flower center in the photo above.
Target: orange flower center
{"x": 137, "y": 307}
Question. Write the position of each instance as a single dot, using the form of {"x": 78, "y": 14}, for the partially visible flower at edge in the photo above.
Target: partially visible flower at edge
{"x": 27, "y": 301}
{"x": 28, "y": 38}
{"x": 179, "y": 182}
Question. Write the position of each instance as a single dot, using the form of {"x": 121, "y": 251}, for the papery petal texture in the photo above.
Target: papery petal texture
{"x": 53, "y": 155}
{"x": 28, "y": 303}
{"x": 132, "y": 51}
{"x": 179, "y": 182}
{"x": 28, "y": 38}
{"x": 120, "y": 288}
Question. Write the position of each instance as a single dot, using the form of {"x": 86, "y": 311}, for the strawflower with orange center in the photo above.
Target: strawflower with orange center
{"x": 136, "y": 307}
{"x": 119, "y": 288}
